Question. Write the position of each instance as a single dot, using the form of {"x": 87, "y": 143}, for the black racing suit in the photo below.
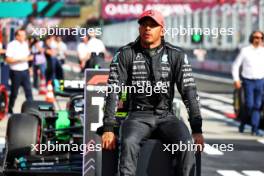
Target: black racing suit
{"x": 156, "y": 71}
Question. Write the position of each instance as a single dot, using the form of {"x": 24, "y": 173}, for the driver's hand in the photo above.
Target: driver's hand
{"x": 199, "y": 140}
{"x": 109, "y": 141}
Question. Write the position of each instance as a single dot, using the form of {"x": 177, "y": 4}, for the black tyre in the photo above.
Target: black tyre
{"x": 23, "y": 131}
{"x": 240, "y": 108}
{"x": 239, "y": 103}
{"x": 32, "y": 107}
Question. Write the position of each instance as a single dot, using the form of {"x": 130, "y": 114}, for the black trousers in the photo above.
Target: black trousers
{"x": 54, "y": 69}
{"x": 19, "y": 78}
{"x": 139, "y": 126}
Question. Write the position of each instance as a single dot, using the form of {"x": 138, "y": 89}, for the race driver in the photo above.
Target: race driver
{"x": 150, "y": 61}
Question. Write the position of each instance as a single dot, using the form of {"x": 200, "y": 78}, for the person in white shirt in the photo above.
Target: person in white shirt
{"x": 96, "y": 51}
{"x": 95, "y": 45}
{"x": 83, "y": 52}
{"x": 61, "y": 49}
{"x": 17, "y": 56}
{"x": 251, "y": 58}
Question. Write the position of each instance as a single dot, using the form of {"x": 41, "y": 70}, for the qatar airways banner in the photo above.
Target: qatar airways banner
{"x": 130, "y": 10}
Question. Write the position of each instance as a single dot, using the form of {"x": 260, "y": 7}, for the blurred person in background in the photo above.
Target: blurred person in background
{"x": 251, "y": 59}
{"x": 96, "y": 51}
{"x": 18, "y": 56}
{"x": 39, "y": 61}
{"x": 2, "y": 50}
{"x": 50, "y": 54}
{"x": 83, "y": 52}
{"x": 53, "y": 42}
{"x": 4, "y": 68}
{"x": 95, "y": 45}
{"x": 54, "y": 68}
{"x": 61, "y": 49}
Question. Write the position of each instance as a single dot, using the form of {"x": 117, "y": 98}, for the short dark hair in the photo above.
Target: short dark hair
{"x": 251, "y": 37}
{"x": 18, "y": 30}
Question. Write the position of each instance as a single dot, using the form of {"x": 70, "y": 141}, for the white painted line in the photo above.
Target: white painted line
{"x": 213, "y": 78}
{"x": 252, "y": 173}
{"x": 210, "y": 102}
{"x": 261, "y": 141}
{"x": 229, "y": 173}
{"x": 215, "y": 96}
{"x": 217, "y": 105}
{"x": 211, "y": 150}
{"x": 215, "y": 115}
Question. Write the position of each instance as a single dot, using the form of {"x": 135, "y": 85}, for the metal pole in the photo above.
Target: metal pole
{"x": 205, "y": 19}
{"x": 196, "y": 22}
{"x": 168, "y": 25}
{"x": 176, "y": 25}
{"x": 188, "y": 25}
{"x": 248, "y": 24}
{"x": 235, "y": 24}
{"x": 224, "y": 14}
{"x": 261, "y": 15}
{"x": 181, "y": 25}
{"x": 214, "y": 24}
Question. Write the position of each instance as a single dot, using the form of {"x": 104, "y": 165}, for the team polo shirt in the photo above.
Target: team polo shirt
{"x": 18, "y": 50}
{"x": 95, "y": 46}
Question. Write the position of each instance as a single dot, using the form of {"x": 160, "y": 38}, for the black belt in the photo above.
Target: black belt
{"x": 142, "y": 108}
